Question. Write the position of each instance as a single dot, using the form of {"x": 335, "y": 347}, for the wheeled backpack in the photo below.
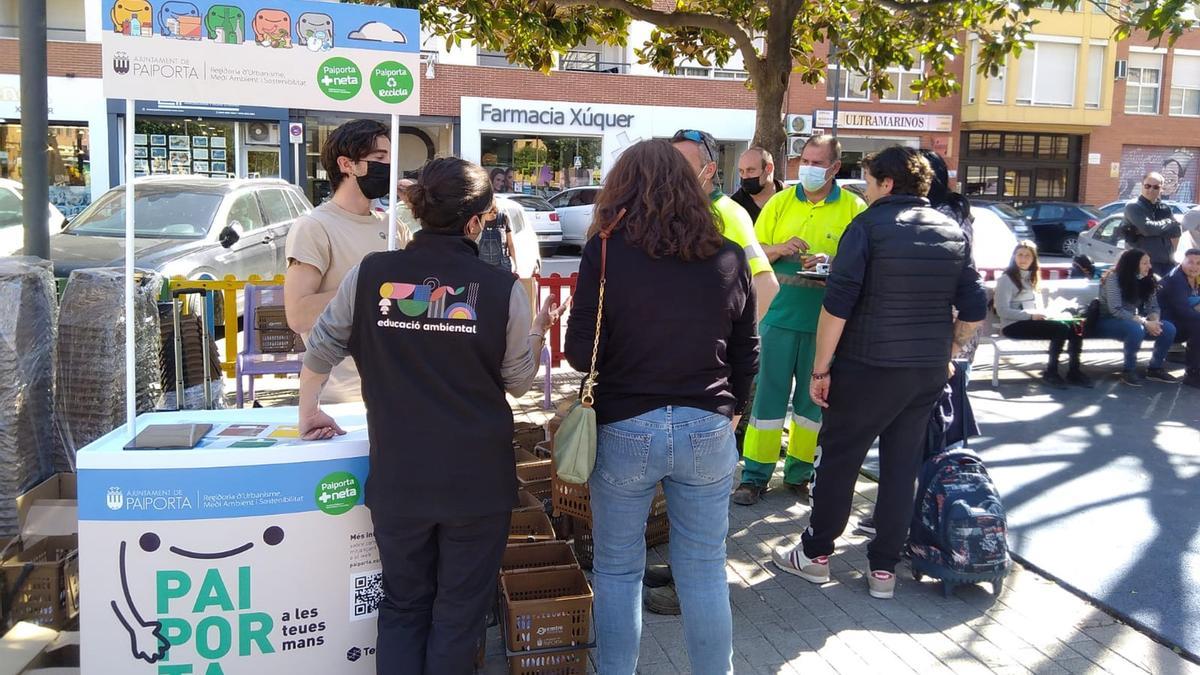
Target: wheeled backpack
{"x": 959, "y": 530}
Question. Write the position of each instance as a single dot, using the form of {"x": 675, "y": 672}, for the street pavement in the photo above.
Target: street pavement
{"x": 783, "y": 624}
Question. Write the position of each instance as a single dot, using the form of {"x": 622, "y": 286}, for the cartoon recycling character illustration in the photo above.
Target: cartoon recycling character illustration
{"x": 151, "y": 640}
{"x": 226, "y": 24}
{"x": 179, "y": 20}
{"x": 273, "y": 28}
{"x": 133, "y": 17}
{"x": 315, "y": 31}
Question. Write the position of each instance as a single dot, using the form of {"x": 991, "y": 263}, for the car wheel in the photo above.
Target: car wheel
{"x": 1070, "y": 245}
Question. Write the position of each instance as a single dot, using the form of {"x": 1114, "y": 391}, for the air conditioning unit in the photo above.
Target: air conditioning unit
{"x": 1122, "y": 69}
{"x": 262, "y": 133}
{"x": 798, "y": 125}
{"x": 796, "y": 145}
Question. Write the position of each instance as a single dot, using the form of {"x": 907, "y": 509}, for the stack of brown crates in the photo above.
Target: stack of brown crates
{"x": 545, "y": 601}
{"x": 572, "y": 509}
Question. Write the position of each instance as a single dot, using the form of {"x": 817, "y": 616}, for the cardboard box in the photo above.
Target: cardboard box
{"x": 41, "y": 574}
{"x": 29, "y": 649}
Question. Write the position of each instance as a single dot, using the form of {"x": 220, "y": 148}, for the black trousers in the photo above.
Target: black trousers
{"x": 438, "y": 579}
{"x": 1054, "y": 331}
{"x": 1189, "y": 331}
{"x": 865, "y": 403}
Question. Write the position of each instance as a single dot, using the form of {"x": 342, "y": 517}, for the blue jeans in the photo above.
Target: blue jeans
{"x": 1132, "y": 334}
{"x": 693, "y": 453}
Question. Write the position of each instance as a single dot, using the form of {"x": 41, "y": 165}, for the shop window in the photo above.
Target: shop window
{"x": 1095, "y": 76}
{"x": 1019, "y": 145}
{"x": 983, "y": 180}
{"x": 68, "y": 164}
{"x": 1185, "y": 86}
{"x": 1046, "y": 74}
{"x": 845, "y": 84}
{"x": 1055, "y": 147}
{"x": 1143, "y": 83}
{"x": 1018, "y": 182}
{"x": 984, "y": 143}
{"x": 169, "y": 145}
{"x": 1050, "y": 184}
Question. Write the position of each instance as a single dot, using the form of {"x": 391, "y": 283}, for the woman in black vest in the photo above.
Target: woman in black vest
{"x": 677, "y": 351}
{"x": 439, "y": 336}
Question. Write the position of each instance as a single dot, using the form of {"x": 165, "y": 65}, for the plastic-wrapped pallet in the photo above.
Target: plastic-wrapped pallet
{"x": 26, "y": 380}
{"x": 90, "y": 394}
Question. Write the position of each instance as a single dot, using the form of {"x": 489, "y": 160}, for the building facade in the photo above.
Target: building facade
{"x": 1075, "y": 117}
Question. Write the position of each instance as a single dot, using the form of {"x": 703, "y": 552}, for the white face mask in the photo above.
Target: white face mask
{"x": 812, "y": 178}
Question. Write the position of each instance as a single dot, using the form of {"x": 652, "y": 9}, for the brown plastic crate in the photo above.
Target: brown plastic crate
{"x": 270, "y": 317}
{"x": 278, "y": 341}
{"x": 572, "y": 499}
{"x": 546, "y": 609}
{"x": 534, "y": 468}
{"x": 572, "y": 662}
{"x": 534, "y": 480}
{"x": 527, "y": 436}
{"x": 579, "y": 531}
{"x": 538, "y": 556}
{"x": 49, "y": 594}
{"x": 529, "y": 526}
{"x": 527, "y": 502}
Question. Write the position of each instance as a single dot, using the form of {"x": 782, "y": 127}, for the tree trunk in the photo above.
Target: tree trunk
{"x": 768, "y": 127}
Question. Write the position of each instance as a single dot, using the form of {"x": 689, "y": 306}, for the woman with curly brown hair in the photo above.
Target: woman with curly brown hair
{"x": 676, "y": 354}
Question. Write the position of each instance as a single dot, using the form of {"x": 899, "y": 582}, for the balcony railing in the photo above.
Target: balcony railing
{"x": 590, "y": 62}
{"x": 495, "y": 61}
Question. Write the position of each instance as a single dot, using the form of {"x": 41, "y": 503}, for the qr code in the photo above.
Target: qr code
{"x": 366, "y": 590}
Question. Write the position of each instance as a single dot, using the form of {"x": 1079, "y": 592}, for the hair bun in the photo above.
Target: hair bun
{"x": 418, "y": 200}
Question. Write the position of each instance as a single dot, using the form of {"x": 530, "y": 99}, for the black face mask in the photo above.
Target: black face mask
{"x": 377, "y": 182}
{"x": 752, "y": 185}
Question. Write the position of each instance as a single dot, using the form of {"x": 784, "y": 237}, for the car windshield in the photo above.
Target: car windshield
{"x": 158, "y": 213}
{"x": 532, "y": 203}
{"x": 1006, "y": 210}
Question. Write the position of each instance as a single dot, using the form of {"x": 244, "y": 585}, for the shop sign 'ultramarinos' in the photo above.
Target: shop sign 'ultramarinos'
{"x": 299, "y": 54}
{"x": 856, "y": 119}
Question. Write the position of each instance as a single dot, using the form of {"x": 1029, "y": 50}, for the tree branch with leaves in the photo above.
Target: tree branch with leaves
{"x": 777, "y": 38}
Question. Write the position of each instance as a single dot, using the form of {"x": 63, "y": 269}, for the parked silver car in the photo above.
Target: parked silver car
{"x": 575, "y": 206}
{"x": 1105, "y": 243}
{"x": 189, "y": 226}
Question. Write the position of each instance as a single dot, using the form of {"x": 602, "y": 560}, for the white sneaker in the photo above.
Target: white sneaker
{"x": 793, "y": 561}
{"x": 881, "y": 584}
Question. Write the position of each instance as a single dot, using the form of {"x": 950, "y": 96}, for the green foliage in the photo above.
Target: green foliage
{"x": 871, "y": 35}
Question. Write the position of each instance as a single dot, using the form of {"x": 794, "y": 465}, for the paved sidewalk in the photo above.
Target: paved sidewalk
{"x": 783, "y": 624}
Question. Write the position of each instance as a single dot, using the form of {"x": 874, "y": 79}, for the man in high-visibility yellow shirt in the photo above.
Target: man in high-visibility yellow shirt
{"x": 799, "y": 229}
{"x": 699, "y": 149}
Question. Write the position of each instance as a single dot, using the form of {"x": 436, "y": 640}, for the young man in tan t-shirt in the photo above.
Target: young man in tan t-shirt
{"x": 326, "y": 243}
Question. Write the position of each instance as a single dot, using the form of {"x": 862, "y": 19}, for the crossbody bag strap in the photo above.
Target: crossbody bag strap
{"x": 586, "y": 395}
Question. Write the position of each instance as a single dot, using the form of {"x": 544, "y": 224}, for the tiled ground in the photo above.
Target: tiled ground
{"x": 783, "y": 624}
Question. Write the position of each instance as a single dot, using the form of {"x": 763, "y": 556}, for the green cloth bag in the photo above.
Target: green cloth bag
{"x": 575, "y": 440}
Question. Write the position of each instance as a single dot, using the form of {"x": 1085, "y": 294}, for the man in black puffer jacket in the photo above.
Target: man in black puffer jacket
{"x": 900, "y": 271}
{"x": 1148, "y": 224}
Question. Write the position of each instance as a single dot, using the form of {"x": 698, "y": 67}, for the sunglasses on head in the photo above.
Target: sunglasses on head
{"x": 1149, "y": 186}
{"x": 695, "y": 137}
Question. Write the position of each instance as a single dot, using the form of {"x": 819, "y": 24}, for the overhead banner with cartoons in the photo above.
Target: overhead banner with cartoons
{"x": 314, "y": 55}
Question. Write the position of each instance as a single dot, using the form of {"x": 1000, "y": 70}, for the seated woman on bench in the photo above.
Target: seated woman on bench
{"x": 1023, "y": 316}
{"x": 1129, "y": 312}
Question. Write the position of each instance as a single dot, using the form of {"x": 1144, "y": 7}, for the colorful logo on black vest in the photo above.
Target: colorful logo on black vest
{"x": 430, "y": 299}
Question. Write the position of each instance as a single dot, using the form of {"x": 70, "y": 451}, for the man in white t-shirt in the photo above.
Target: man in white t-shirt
{"x": 326, "y": 243}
